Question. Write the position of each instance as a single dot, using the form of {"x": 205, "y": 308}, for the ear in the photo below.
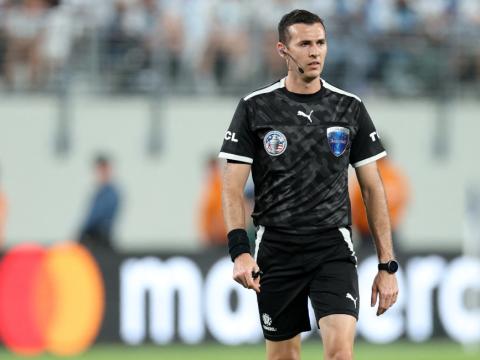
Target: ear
{"x": 281, "y": 50}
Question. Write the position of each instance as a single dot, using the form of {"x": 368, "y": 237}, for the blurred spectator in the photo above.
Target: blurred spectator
{"x": 405, "y": 20}
{"x": 398, "y": 47}
{"x": 58, "y": 37}
{"x": 3, "y": 36}
{"x": 346, "y": 32}
{"x": 379, "y": 16}
{"x": 272, "y": 66}
{"x": 398, "y": 193}
{"x": 24, "y": 26}
{"x": 171, "y": 42}
{"x": 128, "y": 40}
{"x": 212, "y": 226}
{"x": 468, "y": 12}
{"x": 96, "y": 231}
{"x": 467, "y": 61}
{"x": 388, "y": 22}
{"x": 194, "y": 36}
{"x": 226, "y": 56}
{"x": 3, "y": 216}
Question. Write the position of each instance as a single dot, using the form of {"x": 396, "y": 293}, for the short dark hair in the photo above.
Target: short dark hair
{"x": 102, "y": 160}
{"x": 296, "y": 17}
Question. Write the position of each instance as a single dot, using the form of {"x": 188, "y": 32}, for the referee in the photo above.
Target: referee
{"x": 298, "y": 137}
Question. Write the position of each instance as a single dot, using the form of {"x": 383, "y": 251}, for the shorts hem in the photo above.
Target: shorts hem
{"x": 285, "y": 336}
{"x": 333, "y": 312}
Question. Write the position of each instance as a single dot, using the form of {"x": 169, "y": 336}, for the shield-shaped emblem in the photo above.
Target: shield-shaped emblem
{"x": 338, "y": 138}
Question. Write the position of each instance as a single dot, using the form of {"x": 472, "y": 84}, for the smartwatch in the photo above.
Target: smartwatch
{"x": 391, "y": 266}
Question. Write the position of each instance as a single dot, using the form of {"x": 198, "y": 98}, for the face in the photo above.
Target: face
{"x": 103, "y": 173}
{"x": 308, "y": 45}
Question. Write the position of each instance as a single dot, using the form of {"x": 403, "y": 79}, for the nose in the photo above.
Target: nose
{"x": 314, "y": 51}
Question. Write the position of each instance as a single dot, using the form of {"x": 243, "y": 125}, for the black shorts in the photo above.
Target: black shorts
{"x": 321, "y": 268}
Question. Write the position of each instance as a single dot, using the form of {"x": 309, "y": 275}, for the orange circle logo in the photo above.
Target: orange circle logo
{"x": 50, "y": 299}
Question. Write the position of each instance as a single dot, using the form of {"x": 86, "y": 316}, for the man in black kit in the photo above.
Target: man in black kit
{"x": 298, "y": 137}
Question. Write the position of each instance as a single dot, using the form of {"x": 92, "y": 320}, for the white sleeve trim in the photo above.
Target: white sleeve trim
{"x": 229, "y": 156}
{"x": 340, "y": 91}
{"x": 370, "y": 159}
{"x": 273, "y": 87}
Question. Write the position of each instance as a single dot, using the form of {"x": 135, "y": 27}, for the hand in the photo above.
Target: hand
{"x": 243, "y": 267}
{"x": 386, "y": 288}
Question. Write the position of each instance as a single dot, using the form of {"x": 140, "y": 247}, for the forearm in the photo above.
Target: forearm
{"x": 233, "y": 209}
{"x": 379, "y": 221}
{"x": 234, "y": 181}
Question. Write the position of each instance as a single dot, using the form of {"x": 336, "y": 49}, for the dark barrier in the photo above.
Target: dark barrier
{"x": 190, "y": 298}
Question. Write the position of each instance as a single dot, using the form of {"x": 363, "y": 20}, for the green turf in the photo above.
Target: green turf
{"x": 311, "y": 350}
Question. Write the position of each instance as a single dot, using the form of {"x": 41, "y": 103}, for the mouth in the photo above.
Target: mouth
{"x": 314, "y": 64}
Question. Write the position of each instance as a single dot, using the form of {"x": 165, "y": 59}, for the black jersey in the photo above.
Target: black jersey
{"x": 300, "y": 147}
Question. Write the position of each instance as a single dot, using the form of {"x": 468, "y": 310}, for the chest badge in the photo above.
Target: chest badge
{"x": 275, "y": 143}
{"x": 338, "y": 138}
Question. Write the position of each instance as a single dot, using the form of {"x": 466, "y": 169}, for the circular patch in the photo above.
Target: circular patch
{"x": 267, "y": 320}
{"x": 275, "y": 143}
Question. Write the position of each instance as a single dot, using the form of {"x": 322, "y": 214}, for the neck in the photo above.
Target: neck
{"x": 297, "y": 84}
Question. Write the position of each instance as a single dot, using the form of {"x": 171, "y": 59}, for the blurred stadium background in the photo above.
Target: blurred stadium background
{"x": 153, "y": 84}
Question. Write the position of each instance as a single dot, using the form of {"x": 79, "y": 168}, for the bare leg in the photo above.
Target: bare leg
{"x": 284, "y": 350}
{"x": 338, "y": 335}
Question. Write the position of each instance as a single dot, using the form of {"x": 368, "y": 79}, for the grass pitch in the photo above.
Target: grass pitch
{"x": 310, "y": 350}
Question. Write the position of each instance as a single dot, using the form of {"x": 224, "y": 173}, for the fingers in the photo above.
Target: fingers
{"x": 395, "y": 296}
{"x": 385, "y": 290}
{"x": 253, "y": 283}
{"x": 374, "y": 296}
{"x": 241, "y": 279}
{"x": 382, "y": 304}
{"x": 247, "y": 281}
{"x": 387, "y": 299}
{"x": 248, "y": 277}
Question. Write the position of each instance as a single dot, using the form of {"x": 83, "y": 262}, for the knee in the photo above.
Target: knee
{"x": 339, "y": 354}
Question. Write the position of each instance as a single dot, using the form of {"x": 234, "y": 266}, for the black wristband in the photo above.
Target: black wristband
{"x": 238, "y": 243}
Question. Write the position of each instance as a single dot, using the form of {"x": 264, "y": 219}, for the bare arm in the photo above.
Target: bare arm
{"x": 375, "y": 201}
{"x": 385, "y": 285}
{"x": 234, "y": 181}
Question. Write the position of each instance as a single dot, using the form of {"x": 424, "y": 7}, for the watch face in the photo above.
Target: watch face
{"x": 392, "y": 266}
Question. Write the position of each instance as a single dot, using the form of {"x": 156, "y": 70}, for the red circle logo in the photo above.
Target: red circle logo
{"x": 50, "y": 299}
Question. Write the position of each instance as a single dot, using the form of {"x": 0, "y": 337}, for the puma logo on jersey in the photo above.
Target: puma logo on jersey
{"x": 301, "y": 113}
{"x": 350, "y": 296}
{"x": 230, "y": 136}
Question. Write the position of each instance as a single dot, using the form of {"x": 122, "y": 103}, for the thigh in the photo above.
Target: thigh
{"x": 287, "y": 349}
{"x": 338, "y": 335}
{"x": 334, "y": 289}
{"x": 283, "y": 297}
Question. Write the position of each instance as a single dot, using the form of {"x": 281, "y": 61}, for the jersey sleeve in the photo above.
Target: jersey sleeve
{"x": 238, "y": 142}
{"x": 366, "y": 146}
